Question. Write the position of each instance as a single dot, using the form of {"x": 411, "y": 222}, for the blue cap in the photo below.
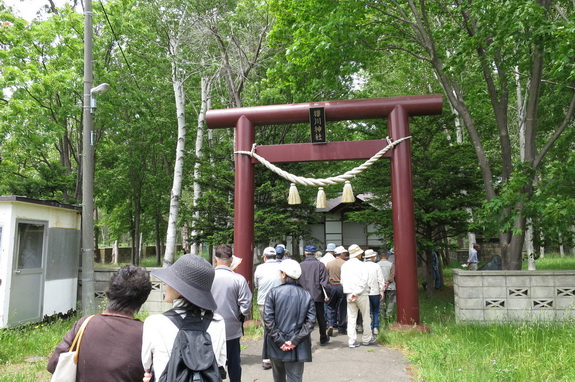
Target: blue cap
{"x": 280, "y": 251}
{"x": 310, "y": 249}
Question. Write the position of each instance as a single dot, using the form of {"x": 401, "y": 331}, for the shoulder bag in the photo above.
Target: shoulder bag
{"x": 67, "y": 365}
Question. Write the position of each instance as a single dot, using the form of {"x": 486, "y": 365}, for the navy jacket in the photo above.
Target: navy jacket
{"x": 289, "y": 315}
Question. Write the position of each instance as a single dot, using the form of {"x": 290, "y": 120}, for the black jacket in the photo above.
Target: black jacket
{"x": 289, "y": 315}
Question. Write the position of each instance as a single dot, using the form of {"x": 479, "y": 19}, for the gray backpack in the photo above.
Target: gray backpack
{"x": 192, "y": 357}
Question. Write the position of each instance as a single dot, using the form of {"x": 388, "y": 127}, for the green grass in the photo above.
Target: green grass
{"x": 495, "y": 352}
{"x": 24, "y": 351}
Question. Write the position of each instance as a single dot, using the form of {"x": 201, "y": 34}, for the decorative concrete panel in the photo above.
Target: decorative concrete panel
{"x": 491, "y": 304}
{"x": 565, "y": 292}
{"x": 518, "y": 292}
{"x": 514, "y": 295}
{"x": 543, "y": 303}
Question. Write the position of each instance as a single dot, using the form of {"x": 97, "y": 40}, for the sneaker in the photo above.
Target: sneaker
{"x": 354, "y": 345}
{"x": 372, "y": 340}
{"x": 266, "y": 365}
{"x": 375, "y": 331}
{"x": 330, "y": 331}
{"x": 324, "y": 342}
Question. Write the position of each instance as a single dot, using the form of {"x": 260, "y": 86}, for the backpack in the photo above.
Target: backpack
{"x": 192, "y": 357}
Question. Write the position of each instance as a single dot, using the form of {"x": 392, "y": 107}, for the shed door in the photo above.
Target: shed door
{"x": 27, "y": 289}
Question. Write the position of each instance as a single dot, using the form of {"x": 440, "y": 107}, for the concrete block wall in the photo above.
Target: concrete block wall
{"x": 498, "y": 296}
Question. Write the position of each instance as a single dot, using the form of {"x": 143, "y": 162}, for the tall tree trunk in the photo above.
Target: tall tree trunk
{"x": 179, "y": 93}
{"x": 137, "y": 231}
{"x": 205, "y": 94}
{"x": 159, "y": 249}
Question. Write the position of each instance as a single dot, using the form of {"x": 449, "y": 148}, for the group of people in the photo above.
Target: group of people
{"x": 344, "y": 290}
{"x": 291, "y": 297}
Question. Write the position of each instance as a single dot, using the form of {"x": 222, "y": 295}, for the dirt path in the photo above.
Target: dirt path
{"x": 335, "y": 362}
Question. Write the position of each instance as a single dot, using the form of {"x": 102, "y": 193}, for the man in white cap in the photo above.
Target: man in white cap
{"x": 376, "y": 285}
{"x": 354, "y": 275}
{"x": 234, "y": 300}
{"x": 329, "y": 254}
{"x": 337, "y": 307}
{"x": 289, "y": 318}
{"x": 266, "y": 277}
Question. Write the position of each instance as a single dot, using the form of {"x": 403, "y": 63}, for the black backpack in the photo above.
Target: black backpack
{"x": 192, "y": 357}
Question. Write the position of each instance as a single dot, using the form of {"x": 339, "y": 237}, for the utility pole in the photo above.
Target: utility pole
{"x": 87, "y": 279}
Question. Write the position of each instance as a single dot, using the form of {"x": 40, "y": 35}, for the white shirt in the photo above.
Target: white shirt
{"x": 354, "y": 277}
{"x": 327, "y": 258}
{"x": 266, "y": 277}
{"x": 160, "y": 333}
{"x": 385, "y": 266}
{"x": 375, "y": 281}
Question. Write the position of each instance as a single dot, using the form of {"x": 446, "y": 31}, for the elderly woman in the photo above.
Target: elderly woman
{"x": 187, "y": 284}
{"x": 110, "y": 348}
{"x": 289, "y": 318}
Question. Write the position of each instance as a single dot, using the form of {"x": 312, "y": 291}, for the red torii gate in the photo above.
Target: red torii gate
{"x": 396, "y": 109}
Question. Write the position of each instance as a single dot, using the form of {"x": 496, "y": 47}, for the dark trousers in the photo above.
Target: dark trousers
{"x": 234, "y": 364}
{"x": 287, "y": 371}
{"x": 320, "y": 315}
{"x": 337, "y": 309}
{"x": 374, "y": 310}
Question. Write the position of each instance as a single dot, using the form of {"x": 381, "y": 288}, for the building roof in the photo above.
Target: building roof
{"x": 48, "y": 203}
{"x": 333, "y": 204}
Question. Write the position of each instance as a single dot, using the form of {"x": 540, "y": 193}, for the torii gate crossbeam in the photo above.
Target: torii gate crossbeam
{"x": 396, "y": 109}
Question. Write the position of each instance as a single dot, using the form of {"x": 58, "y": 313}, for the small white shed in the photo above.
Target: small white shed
{"x": 39, "y": 258}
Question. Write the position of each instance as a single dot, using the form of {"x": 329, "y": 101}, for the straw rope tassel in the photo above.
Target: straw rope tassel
{"x": 347, "y": 196}
{"x": 293, "y": 197}
{"x": 321, "y": 201}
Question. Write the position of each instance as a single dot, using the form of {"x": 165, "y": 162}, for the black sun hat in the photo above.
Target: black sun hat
{"x": 192, "y": 277}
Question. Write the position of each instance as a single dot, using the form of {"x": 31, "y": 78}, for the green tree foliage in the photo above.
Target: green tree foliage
{"x": 41, "y": 110}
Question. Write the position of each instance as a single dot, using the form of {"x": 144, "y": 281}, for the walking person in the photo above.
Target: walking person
{"x": 234, "y": 302}
{"x": 473, "y": 259}
{"x": 354, "y": 275}
{"x": 289, "y": 318}
{"x": 266, "y": 277}
{"x": 337, "y": 306}
{"x": 112, "y": 341}
{"x": 376, "y": 285}
{"x": 187, "y": 285}
{"x": 388, "y": 271}
{"x": 314, "y": 280}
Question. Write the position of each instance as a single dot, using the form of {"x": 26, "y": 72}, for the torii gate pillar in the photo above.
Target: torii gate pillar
{"x": 396, "y": 109}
